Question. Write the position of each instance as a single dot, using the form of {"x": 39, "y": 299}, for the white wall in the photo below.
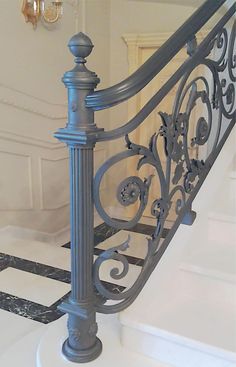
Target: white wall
{"x": 34, "y": 190}
{"x": 138, "y": 17}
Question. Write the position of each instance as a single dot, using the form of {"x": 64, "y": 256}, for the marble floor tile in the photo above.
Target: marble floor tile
{"x": 35, "y": 288}
{"x": 35, "y": 276}
{"x": 40, "y": 252}
{"x": 34, "y": 268}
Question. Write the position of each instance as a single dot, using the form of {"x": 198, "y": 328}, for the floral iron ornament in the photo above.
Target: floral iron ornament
{"x": 179, "y": 176}
{"x": 188, "y": 172}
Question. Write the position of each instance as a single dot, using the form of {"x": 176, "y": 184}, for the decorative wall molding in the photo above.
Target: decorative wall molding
{"x": 16, "y": 184}
{"x": 57, "y": 238}
{"x": 29, "y": 103}
{"x": 29, "y": 140}
{"x": 37, "y": 142}
{"x": 54, "y": 182}
{"x": 54, "y": 179}
{"x": 144, "y": 40}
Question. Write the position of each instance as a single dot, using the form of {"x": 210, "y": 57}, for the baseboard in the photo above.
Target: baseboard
{"x": 63, "y": 236}
{"x": 58, "y": 238}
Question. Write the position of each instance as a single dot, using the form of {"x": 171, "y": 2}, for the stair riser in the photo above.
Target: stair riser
{"x": 206, "y": 288}
{"x": 173, "y": 352}
{"x": 221, "y": 231}
{"x": 232, "y": 187}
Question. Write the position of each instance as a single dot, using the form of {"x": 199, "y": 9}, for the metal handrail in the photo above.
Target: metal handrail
{"x": 138, "y": 119}
{"x": 180, "y": 176}
{"x": 140, "y": 78}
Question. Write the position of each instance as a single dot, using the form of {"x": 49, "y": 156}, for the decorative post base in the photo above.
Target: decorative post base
{"x": 82, "y": 356}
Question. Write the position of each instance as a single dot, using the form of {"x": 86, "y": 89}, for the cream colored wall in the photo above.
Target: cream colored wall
{"x": 34, "y": 187}
{"x": 138, "y": 17}
{"x": 134, "y": 17}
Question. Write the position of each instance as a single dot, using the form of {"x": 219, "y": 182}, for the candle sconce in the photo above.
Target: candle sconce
{"x": 34, "y": 10}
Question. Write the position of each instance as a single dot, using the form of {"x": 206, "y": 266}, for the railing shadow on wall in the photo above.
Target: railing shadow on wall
{"x": 180, "y": 178}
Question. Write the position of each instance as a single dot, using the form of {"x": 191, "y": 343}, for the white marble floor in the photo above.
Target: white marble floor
{"x": 35, "y": 277}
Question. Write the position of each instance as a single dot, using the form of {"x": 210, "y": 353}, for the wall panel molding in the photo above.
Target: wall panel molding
{"x": 16, "y": 189}
{"x": 29, "y": 140}
{"x": 54, "y": 182}
{"x": 29, "y": 103}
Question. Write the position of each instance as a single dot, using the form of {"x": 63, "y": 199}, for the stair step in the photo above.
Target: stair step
{"x": 113, "y": 354}
{"x": 14, "y": 328}
{"x": 23, "y": 352}
{"x": 222, "y": 228}
{"x": 189, "y": 323}
{"x": 217, "y": 261}
{"x": 232, "y": 185}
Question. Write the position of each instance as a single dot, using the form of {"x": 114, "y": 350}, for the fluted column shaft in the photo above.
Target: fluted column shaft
{"x": 80, "y": 134}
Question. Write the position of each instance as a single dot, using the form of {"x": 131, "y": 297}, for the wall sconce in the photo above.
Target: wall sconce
{"x": 33, "y": 10}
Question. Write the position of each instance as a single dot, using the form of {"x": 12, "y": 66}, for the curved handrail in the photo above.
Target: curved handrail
{"x": 165, "y": 89}
{"x": 139, "y": 79}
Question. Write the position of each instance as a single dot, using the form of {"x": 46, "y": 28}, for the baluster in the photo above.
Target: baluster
{"x": 79, "y": 134}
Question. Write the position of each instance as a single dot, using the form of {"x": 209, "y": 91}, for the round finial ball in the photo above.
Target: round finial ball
{"x": 80, "y": 45}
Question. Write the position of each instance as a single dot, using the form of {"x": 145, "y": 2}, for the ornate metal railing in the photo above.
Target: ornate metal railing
{"x": 180, "y": 178}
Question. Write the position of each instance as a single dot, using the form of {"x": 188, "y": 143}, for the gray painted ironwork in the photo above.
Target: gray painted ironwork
{"x": 216, "y": 93}
{"x": 79, "y": 134}
{"x": 137, "y": 81}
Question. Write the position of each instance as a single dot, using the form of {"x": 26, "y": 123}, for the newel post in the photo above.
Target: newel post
{"x": 79, "y": 134}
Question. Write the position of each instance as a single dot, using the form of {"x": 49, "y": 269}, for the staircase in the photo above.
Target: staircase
{"x": 161, "y": 295}
{"x": 184, "y": 317}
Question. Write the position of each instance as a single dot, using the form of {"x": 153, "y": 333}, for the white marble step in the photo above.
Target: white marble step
{"x": 190, "y": 322}
{"x": 232, "y": 188}
{"x": 222, "y": 222}
{"x": 14, "y": 328}
{"x": 217, "y": 260}
{"x": 114, "y": 354}
{"x": 23, "y": 352}
{"x": 42, "y": 348}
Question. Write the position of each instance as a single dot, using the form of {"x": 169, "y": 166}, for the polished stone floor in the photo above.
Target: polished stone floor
{"x": 35, "y": 277}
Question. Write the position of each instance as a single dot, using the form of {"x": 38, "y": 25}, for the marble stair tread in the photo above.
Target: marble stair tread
{"x": 23, "y": 352}
{"x": 191, "y": 315}
{"x": 187, "y": 316}
{"x": 221, "y": 229}
{"x": 224, "y": 206}
{"x": 114, "y": 354}
{"x": 233, "y": 174}
{"x": 216, "y": 260}
{"x": 14, "y": 328}
{"x": 187, "y": 307}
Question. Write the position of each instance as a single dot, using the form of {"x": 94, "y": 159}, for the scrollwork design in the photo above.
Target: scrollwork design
{"x": 179, "y": 178}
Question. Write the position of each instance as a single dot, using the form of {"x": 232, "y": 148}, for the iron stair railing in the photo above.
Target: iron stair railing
{"x": 216, "y": 53}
